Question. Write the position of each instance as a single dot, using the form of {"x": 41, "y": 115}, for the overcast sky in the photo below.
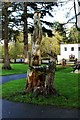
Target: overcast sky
{"x": 64, "y": 13}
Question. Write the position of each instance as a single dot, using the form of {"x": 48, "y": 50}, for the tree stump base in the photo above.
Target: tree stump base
{"x": 40, "y": 80}
{"x": 6, "y": 67}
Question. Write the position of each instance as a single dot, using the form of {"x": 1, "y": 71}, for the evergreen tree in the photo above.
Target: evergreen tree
{"x": 5, "y": 22}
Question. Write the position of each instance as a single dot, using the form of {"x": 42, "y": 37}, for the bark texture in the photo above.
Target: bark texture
{"x": 40, "y": 78}
{"x": 6, "y": 64}
{"x": 25, "y": 33}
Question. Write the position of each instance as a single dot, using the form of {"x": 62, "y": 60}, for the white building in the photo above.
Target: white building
{"x": 66, "y": 50}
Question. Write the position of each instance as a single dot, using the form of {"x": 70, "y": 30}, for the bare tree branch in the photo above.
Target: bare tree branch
{"x": 76, "y": 15}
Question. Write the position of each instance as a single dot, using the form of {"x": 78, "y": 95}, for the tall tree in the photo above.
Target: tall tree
{"x": 25, "y": 31}
{"x": 5, "y": 23}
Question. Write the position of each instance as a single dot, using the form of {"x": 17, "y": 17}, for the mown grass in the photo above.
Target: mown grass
{"x": 16, "y": 69}
{"x": 66, "y": 84}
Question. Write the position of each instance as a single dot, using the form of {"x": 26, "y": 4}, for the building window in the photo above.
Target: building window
{"x": 79, "y": 48}
{"x": 72, "y": 48}
{"x": 65, "y": 48}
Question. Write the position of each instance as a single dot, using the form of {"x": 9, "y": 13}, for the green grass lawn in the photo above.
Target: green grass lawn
{"x": 16, "y": 69}
{"x": 66, "y": 84}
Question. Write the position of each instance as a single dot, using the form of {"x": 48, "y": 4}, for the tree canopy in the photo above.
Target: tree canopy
{"x": 74, "y": 35}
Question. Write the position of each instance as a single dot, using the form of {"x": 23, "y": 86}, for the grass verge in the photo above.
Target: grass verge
{"x": 16, "y": 69}
{"x": 66, "y": 84}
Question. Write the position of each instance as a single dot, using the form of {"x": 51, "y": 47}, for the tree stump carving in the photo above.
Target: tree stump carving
{"x": 40, "y": 78}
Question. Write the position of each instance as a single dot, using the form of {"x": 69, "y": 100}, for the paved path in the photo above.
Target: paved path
{"x": 4, "y": 79}
{"x": 24, "y": 110}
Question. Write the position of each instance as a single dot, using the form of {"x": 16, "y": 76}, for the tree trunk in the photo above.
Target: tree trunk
{"x": 40, "y": 78}
{"x": 5, "y": 28}
{"x": 25, "y": 33}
